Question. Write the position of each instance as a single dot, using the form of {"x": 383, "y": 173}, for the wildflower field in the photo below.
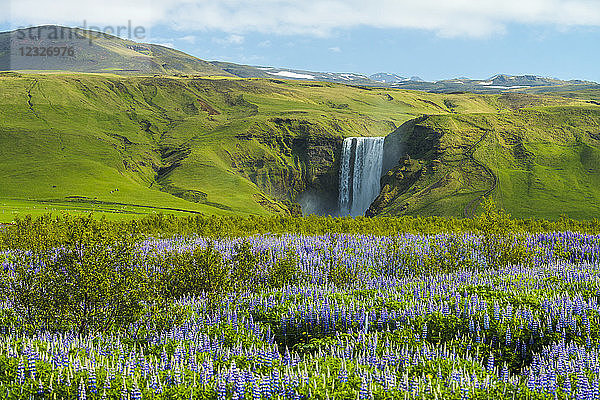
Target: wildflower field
{"x": 98, "y": 312}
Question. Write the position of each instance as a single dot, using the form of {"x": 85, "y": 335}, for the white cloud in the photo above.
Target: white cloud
{"x": 335, "y": 49}
{"x": 98, "y": 13}
{"x": 230, "y": 40}
{"x": 470, "y": 18}
{"x": 189, "y": 39}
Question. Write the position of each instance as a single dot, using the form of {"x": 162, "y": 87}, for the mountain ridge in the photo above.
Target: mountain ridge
{"x": 129, "y": 145}
{"x": 103, "y": 53}
{"x": 81, "y": 50}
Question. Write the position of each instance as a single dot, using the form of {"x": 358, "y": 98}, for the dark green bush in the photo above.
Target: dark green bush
{"x": 90, "y": 283}
{"x": 503, "y": 244}
{"x": 285, "y": 271}
{"x": 244, "y": 267}
{"x": 193, "y": 273}
{"x": 339, "y": 275}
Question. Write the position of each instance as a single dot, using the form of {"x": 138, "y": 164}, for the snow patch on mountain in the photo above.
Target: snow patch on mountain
{"x": 294, "y": 75}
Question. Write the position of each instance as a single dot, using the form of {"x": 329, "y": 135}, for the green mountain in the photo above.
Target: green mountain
{"x": 132, "y": 145}
{"x": 90, "y": 51}
{"x": 197, "y": 139}
{"x": 137, "y": 144}
{"x": 536, "y": 161}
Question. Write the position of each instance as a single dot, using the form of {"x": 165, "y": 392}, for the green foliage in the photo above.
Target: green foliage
{"x": 502, "y": 245}
{"x": 89, "y": 269}
{"x": 193, "y": 273}
{"x": 233, "y": 226}
{"x": 179, "y": 145}
{"x": 244, "y": 265}
{"x": 538, "y": 160}
{"x": 284, "y": 272}
{"x": 238, "y": 147}
{"x": 90, "y": 283}
{"x": 494, "y": 221}
{"x": 339, "y": 275}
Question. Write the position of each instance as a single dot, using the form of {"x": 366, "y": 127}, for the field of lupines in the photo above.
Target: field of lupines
{"x": 447, "y": 316}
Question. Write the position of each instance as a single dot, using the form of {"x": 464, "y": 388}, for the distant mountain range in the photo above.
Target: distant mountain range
{"x": 497, "y": 83}
{"x": 385, "y": 77}
{"x": 91, "y": 51}
{"x": 248, "y": 71}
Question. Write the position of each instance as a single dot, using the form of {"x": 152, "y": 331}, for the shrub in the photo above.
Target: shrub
{"x": 502, "y": 244}
{"x": 284, "y": 271}
{"x": 244, "y": 267}
{"x": 193, "y": 273}
{"x": 90, "y": 283}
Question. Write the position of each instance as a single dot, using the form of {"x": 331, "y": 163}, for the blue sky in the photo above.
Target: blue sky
{"x": 433, "y": 39}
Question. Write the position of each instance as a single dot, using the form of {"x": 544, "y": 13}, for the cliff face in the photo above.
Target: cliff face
{"x": 534, "y": 162}
{"x": 294, "y": 160}
{"x": 408, "y": 155}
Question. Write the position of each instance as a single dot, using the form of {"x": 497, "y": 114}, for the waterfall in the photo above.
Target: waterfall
{"x": 360, "y": 173}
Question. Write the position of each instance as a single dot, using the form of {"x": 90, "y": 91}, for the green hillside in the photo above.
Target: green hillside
{"x": 535, "y": 162}
{"x": 133, "y": 145}
{"x": 91, "y": 51}
{"x": 199, "y": 145}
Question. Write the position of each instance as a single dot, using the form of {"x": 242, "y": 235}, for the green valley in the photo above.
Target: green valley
{"x": 131, "y": 145}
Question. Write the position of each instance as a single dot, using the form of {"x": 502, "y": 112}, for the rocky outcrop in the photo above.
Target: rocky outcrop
{"x": 295, "y": 161}
{"x": 408, "y": 152}
{"x": 395, "y": 183}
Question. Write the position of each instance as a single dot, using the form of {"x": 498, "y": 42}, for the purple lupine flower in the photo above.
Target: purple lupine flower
{"x": 31, "y": 364}
{"x": 81, "y": 394}
{"x": 154, "y": 384}
{"x": 21, "y": 371}
{"x": 255, "y": 387}
{"x": 221, "y": 389}
{"x": 124, "y": 393}
{"x": 92, "y": 381}
{"x": 365, "y": 390}
{"x": 490, "y": 362}
{"x": 287, "y": 358}
{"x": 595, "y": 390}
{"x": 136, "y": 394}
{"x": 266, "y": 386}
{"x": 504, "y": 373}
{"x": 582, "y": 386}
{"x": 567, "y": 386}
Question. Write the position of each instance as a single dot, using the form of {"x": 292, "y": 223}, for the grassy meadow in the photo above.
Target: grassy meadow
{"x": 134, "y": 145}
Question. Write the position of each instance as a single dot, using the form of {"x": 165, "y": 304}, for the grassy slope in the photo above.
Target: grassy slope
{"x": 95, "y": 52}
{"x": 538, "y": 161}
{"x": 81, "y": 135}
{"x": 68, "y": 141}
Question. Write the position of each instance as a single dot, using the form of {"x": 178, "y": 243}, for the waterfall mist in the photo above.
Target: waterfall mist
{"x": 360, "y": 174}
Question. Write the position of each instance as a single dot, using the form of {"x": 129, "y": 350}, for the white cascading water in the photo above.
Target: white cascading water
{"x": 360, "y": 174}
